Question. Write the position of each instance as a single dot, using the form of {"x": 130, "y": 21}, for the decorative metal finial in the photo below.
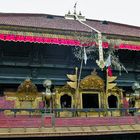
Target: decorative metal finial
{"x": 69, "y": 12}
{"x": 27, "y": 79}
{"x": 75, "y": 5}
{"x": 80, "y": 14}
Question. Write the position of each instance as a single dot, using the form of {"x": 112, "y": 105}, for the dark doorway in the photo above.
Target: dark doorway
{"x": 112, "y": 101}
{"x": 65, "y": 101}
{"x": 90, "y": 100}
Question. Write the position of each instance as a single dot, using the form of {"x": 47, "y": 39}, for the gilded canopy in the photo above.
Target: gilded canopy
{"x": 93, "y": 82}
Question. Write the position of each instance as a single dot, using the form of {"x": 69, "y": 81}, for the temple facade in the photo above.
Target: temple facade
{"x": 57, "y": 78}
{"x": 40, "y": 47}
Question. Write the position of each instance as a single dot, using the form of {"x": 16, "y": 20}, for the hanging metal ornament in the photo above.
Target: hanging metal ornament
{"x": 100, "y": 62}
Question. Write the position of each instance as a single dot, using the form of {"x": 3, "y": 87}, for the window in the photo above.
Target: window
{"x": 65, "y": 101}
{"x": 90, "y": 100}
{"x": 112, "y": 101}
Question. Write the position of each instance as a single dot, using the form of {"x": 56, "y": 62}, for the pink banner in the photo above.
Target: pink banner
{"x": 60, "y": 41}
{"x": 129, "y": 47}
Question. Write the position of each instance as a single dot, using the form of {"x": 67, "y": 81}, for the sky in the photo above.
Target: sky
{"x": 120, "y": 11}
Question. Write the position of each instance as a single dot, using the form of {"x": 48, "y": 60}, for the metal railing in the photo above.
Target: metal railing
{"x": 74, "y": 111}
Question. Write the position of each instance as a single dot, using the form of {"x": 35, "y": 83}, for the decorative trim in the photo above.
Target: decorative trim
{"x": 59, "y": 39}
{"x": 50, "y": 39}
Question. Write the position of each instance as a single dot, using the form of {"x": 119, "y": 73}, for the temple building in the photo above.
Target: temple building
{"x": 61, "y": 66}
{"x": 40, "y": 46}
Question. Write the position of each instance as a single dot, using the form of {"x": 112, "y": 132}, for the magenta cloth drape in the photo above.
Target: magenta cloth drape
{"x": 60, "y": 41}
{"x": 130, "y": 47}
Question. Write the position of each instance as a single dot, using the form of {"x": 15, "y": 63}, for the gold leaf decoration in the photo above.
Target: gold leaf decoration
{"x": 66, "y": 88}
{"x": 27, "y": 90}
{"x": 92, "y": 81}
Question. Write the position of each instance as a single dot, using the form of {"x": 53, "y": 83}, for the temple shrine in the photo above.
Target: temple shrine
{"x": 45, "y": 83}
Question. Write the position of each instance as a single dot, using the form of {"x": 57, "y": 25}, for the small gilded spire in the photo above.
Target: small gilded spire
{"x": 94, "y": 72}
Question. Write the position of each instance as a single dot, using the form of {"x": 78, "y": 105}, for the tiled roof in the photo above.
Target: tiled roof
{"x": 59, "y": 22}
